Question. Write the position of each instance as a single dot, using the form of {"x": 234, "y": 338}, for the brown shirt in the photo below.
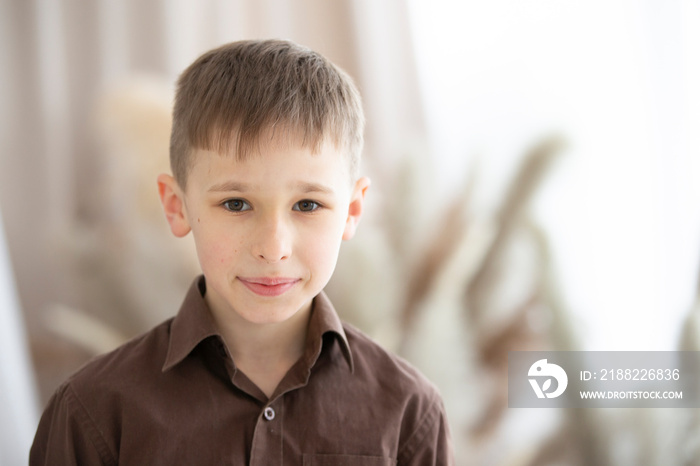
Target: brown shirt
{"x": 174, "y": 396}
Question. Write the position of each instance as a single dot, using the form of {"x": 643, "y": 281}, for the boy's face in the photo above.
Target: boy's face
{"x": 267, "y": 229}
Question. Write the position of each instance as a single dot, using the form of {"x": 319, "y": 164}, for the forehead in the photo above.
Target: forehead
{"x": 276, "y": 163}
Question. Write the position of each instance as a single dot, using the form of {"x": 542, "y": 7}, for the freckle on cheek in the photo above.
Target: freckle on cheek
{"x": 197, "y": 219}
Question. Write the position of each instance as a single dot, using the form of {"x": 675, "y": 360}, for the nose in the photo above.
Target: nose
{"x": 272, "y": 240}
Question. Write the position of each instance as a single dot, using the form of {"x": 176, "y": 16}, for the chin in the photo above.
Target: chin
{"x": 258, "y": 319}
{"x": 271, "y": 312}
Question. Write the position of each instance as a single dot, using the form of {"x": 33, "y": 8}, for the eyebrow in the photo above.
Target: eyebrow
{"x": 228, "y": 186}
{"x": 236, "y": 186}
{"x": 314, "y": 188}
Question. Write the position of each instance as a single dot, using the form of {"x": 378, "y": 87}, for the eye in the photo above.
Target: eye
{"x": 236, "y": 205}
{"x": 306, "y": 206}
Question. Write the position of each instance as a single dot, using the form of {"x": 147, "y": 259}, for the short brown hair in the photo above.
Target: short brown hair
{"x": 233, "y": 95}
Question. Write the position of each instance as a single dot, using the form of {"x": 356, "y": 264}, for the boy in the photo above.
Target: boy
{"x": 256, "y": 368}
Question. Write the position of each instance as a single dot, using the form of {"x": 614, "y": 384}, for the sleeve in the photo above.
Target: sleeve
{"x": 67, "y": 435}
{"x": 431, "y": 443}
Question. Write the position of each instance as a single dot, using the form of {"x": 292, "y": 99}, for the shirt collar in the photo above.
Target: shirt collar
{"x": 324, "y": 319}
{"x": 194, "y": 323}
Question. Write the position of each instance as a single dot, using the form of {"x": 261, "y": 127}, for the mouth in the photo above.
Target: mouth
{"x": 269, "y": 286}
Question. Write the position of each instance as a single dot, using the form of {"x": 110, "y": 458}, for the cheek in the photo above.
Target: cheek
{"x": 214, "y": 248}
{"x": 323, "y": 247}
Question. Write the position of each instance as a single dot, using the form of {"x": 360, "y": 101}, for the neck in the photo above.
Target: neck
{"x": 264, "y": 352}
{"x": 266, "y": 343}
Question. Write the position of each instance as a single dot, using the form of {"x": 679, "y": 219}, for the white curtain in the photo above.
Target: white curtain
{"x": 60, "y": 58}
{"x": 18, "y": 403}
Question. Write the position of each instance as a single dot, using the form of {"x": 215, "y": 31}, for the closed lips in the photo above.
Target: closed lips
{"x": 268, "y": 281}
{"x": 265, "y": 286}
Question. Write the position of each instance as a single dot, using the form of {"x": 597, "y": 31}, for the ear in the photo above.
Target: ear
{"x": 171, "y": 197}
{"x": 356, "y": 206}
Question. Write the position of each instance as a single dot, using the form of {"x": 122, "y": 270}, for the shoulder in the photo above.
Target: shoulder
{"x": 390, "y": 376}
{"x": 371, "y": 357}
{"x": 133, "y": 362}
{"x": 424, "y": 432}
{"x": 82, "y": 419}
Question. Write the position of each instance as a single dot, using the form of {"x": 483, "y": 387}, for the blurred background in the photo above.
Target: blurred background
{"x": 535, "y": 172}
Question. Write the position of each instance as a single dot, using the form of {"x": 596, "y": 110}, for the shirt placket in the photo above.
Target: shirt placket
{"x": 267, "y": 439}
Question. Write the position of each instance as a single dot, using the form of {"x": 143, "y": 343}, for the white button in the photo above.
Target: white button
{"x": 269, "y": 413}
